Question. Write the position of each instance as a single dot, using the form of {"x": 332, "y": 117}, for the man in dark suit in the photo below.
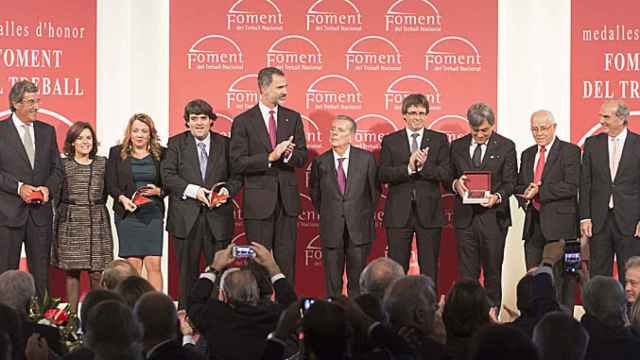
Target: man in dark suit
{"x": 414, "y": 162}
{"x": 195, "y": 161}
{"x": 609, "y": 195}
{"x": 481, "y": 229}
{"x": 29, "y": 162}
{"x": 345, "y": 191}
{"x": 236, "y": 323}
{"x": 267, "y": 145}
{"x": 548, "y": 180}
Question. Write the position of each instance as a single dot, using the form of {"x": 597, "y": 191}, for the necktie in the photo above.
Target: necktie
{"x": 272, "y": 128}
{"x": 203, "y": 157}
{"x": 414, "y": 142}
{"x": 537, "y": 174}
{"x": 477, "y": 156}
{"x": 342, "y": 177}
{"x": 27, "y": 141}
{"x": 614, "y": 161}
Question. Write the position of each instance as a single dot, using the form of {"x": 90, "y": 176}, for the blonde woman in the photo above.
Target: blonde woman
{"x": 134, "y": 165}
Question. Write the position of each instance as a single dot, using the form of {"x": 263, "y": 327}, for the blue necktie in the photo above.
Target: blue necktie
{"x": 204, "y": 158}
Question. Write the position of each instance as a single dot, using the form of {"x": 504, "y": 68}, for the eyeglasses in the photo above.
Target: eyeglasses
{"x": 541, "y": 129}
{"x": 30, "y": 102}
{"x": 417, "y": 113}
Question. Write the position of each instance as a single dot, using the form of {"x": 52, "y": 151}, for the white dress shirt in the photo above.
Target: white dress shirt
{"x": 191, "y": 190}
{"x": 345, "y": 162}
{"x": 419, "y": 140}
{"x": 264, "y": 110}
{"x": 547, "y": 149}
{"x": 20, "y": 127}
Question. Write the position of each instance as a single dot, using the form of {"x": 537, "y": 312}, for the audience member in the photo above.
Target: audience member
{"x": 112, "y": 333}
{"x": 634, "y": 318}
{"x": 6, "y": 346}
{"x": 632, "y": 279}
{"x": 605, "y": 320}
{"x": 11, "y": 326}
{"x": 410, "y": 305}
{"x": 502, "y": 342}
{"x": 132, "y": 288}
{"x": 325, "y": 332}
{"x": 236, "y": 326}
{"x": 558, "y": 336}
{"x": 263, "y": 280}
{"x": 466, "y": 310}
{"x": 17, "y": 288}
{"x": 157, "y": 315}
{"x": 378, "y": 275}
{"x": 116, "y": 271}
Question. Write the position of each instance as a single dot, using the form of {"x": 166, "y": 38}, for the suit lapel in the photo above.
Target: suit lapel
{"x": 282, "y": 129}
{"x": 190, "y": 152}
{"x": 491, "y": 150}
{"x": 215, "y": 150}
{"x": 551, "y": 158}
{"x": 17, "y": 141}
{"x": 331, "y": 162}
{"x": 260, "y": 128}
{"x": 629, "y": 142}
{"x": 466, "y": 144}
{"x": 351, "y": 169}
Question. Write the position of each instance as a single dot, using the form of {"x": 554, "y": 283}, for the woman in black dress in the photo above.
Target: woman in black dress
{"x": 82, "y": 230}
{"x": 135, "y": 166}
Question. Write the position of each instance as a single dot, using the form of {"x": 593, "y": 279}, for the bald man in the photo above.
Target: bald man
{"x": 548, "y": 180}
{"x": 610, "y": 191}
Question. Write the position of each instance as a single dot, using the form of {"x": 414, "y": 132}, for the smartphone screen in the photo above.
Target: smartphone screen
{"x": 572, "y": 257}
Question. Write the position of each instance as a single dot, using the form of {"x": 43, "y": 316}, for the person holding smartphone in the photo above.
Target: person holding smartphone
{"x": 134, "y": 167}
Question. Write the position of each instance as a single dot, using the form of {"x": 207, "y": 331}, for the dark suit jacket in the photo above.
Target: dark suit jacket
{"x": 119, "y": 178}
{"x": 500, "y": 160}
{"x": 596, "y": 186}
{"x": 181, "y": 167}
{"x": 355, "y": 207}
{"x": 250, "y": 148}
{"x": 236, "y": 332}
{"x": 15, "y": 167}
{"x": 174, "y": 351}
{"x": 558, "y": 193}
{"x": 394, "y": 162}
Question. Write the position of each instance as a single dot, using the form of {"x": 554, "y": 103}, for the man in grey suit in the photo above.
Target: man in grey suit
{"x": 29, "y": 162}
{"x": 345, "y": 191}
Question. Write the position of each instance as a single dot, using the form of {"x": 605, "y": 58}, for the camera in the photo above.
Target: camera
{"x": 572, "y": 257}
{"x": 243, "y": 251}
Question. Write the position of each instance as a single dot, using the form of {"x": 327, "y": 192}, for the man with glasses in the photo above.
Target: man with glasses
{"x": 481, "y": 229}
{"x": 548, "y": 182}
{"x": 28, "y": 169}
{"x": 414, "y": 162}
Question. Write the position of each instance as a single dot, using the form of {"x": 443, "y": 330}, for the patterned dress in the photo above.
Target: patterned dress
{"x": 82, "y": 230}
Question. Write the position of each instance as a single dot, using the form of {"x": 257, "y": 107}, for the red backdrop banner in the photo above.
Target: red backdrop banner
{"x": 605, "y": 62}
{"x": 53, "y": 44}
{"x": 359, "y": 58}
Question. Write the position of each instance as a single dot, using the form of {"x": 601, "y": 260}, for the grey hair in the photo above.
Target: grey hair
{"x": 548, "y": 113}
{"x": 405, "y": 296}
{"x": 604, "y": 298}
{"x": 378, "y": 275}
{"x": 622, "y": 111}
{"x": 478, "y": 113}
{"x": 632, "y": 263}
{"x": 354, "y": 126}
{"x": 16, "y": 289}
{"x": 241, "y": 287}
{"x": 17, "y": 92}
{"x": 265, "y": 76}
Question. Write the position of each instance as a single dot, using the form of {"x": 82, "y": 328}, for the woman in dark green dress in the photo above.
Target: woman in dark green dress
{"x": 135, "y": 166}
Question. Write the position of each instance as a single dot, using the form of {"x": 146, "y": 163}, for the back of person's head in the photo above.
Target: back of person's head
{"x": 93, "y": 298}
{"x": 411, "y": 301}
{"x": 6, "y": 346}
{"x": 604, "y": 299}
{"x": 378, "y": 275}
{"x": 157, "y": 314}
{"x": 523, "y": 293}
{"x": 116, "y": 271}
{"x": 371, "y": 306}
{"x": 466, "y": 308}
{"x": 16, "y": 290}
{"x": 132, "y": 288}
{"x": 502, "y": 342}
{"x": 262, "y": 278}
{"x": 112, "y": 333}
{"x": 558, "y": 336}
{"x": 240, "y": 288}
{"x": 11, "y": 325}
{"x": 325, "y": 330}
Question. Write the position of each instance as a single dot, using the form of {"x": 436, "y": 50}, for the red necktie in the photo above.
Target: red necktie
{"x": 537, "y": 176}
{"x": 272, "y": 128}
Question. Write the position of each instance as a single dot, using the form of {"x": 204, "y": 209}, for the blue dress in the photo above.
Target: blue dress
{"x": 140, "y": 233}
